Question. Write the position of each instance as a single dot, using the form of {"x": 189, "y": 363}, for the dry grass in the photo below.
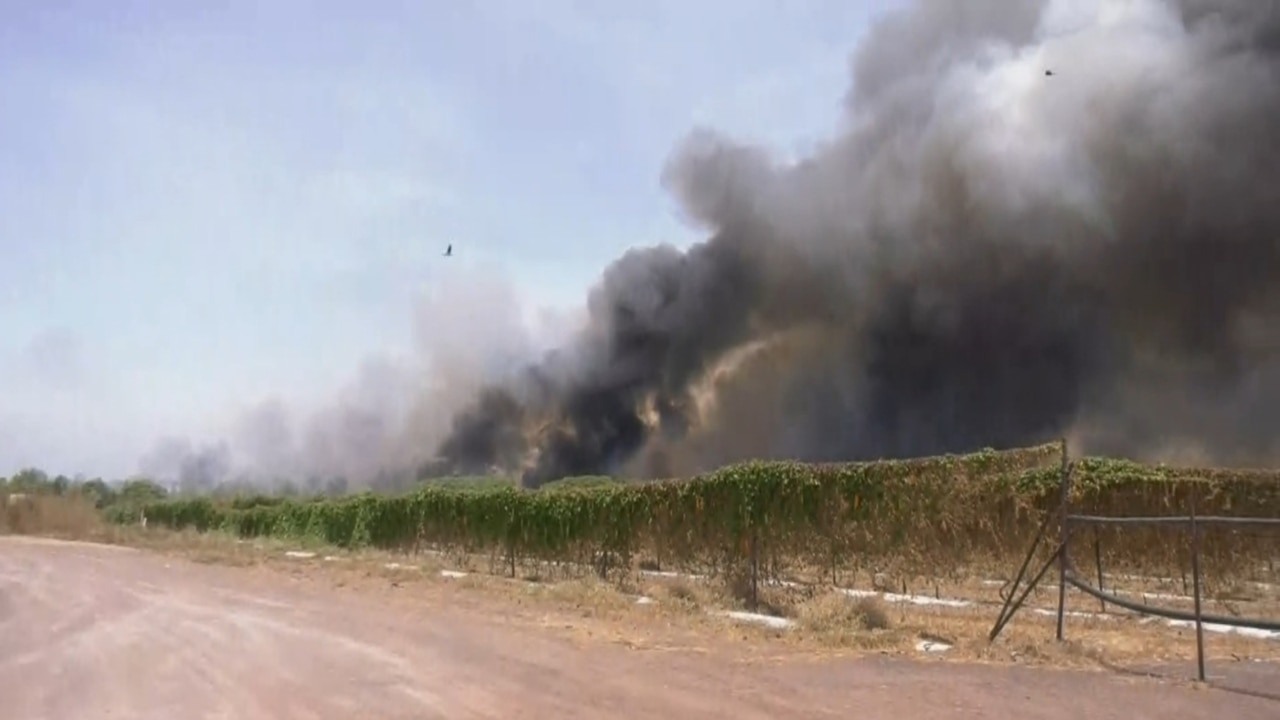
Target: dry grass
{"x": 829, "y": 620}
{"x": 681, "y": 591}
{"x": 67, "y": 517}
{"x": 834, "y": 613}
{"x": 207, "y": 548}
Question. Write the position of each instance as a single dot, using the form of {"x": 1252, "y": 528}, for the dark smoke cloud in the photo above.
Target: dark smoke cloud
{"x": 985, "y": 255}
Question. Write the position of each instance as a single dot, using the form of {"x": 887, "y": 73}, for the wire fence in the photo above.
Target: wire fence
{"x": 1069, "y": 576}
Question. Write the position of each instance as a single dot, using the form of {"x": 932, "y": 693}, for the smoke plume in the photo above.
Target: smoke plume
{"x": 468, "y": 331}
{"x": 986, "y": 255}
{"x": 192, "y": 468}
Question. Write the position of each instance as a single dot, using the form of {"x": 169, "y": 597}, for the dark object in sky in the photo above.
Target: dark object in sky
{"x": 448, "y": 252}
{"x": 1048, "y": 73}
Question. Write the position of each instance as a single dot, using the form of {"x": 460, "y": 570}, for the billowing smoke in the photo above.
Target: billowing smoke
{"x": 469, "y": 330}
{"x": 988, "y": 254}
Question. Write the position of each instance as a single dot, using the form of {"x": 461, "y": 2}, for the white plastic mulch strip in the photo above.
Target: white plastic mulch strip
{"x": 933, "y": 646}
{"x": 671, "y": 574}
{"x": 1221, "y": 629}
{"x": 1154, "y": 596}
{"x": 912, "y": 599}
{"x": 1174, "y": 581}
{"x": 1073, "y": 613}
{"x": 778, "y": 623}
{"x": 1146, "y": 596}
{"x": 1147, "y": 578}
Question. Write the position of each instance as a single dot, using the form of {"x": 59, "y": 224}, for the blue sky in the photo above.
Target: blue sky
{"x": 204, "y": 204}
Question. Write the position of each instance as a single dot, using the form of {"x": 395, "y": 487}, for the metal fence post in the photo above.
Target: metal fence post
{"x": 1062, "y": 546}
{"x": 755, "y": 569}
{"x": 1195, "y": 579}
{"x": 1097, "y": 561}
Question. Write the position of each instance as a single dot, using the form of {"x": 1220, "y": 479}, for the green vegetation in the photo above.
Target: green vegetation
{"x": 129, "y": 496}
{"x": 33, "y": 502}
{"x": 931, "y": 516}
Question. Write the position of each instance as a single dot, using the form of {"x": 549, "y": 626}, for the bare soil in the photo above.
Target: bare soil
{"x": 90, "y": 631}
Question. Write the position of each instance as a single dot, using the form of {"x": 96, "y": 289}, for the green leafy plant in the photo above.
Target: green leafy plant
{"x": 923, "y": 516}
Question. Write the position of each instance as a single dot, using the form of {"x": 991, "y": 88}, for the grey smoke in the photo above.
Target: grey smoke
{"x": 387, "y": 419}
{"x": 985, "y": 255}
{"x": 192, "y": 468}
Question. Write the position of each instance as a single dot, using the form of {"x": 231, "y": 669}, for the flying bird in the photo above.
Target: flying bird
{"x": 1048, "y": 73}
{"x": 448, "y": 252}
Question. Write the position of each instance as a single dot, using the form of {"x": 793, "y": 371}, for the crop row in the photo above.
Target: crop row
{"x": 909, "y": 517}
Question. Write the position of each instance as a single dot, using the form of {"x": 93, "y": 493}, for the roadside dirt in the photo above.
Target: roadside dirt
{"x": 91, "y": 631}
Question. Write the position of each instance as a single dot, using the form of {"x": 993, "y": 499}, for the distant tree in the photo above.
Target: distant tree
{"x": 29, "y": 480}
{"x": 138, "y": 491}
{"x": 100, "y": 493}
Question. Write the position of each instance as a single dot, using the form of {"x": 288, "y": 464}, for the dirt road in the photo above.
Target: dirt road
{"x": 97, "y": 632}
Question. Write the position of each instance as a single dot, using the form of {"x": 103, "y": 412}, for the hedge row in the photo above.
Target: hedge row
{"x": 1111, "y": 487}
{"x": 915, "y": 516}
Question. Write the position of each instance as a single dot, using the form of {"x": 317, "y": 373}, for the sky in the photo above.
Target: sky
{"x": 206, "y": 204}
